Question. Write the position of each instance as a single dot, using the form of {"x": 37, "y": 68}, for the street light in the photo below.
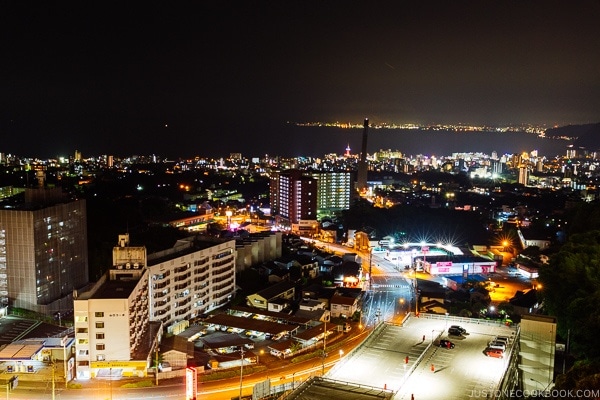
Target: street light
{"x": 401, "y": 306}
{"x": 64, "y": 346}
{"x": 446, "y": 321}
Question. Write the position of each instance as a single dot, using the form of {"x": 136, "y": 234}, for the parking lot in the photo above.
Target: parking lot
{"x": 408, "y": 359}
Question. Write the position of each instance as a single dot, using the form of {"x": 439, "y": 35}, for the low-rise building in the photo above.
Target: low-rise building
{"x": 266, "y": 298}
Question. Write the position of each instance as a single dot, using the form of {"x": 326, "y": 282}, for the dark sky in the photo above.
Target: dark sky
{"x": 212, "y": 77}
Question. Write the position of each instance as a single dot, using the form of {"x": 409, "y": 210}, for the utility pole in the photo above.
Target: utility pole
{"x": 241, "y": 370}
{"x": 324, "y": 349}
{"x": 416, "y": 294}
{"x": 324, "y": 336}
{"x": 53, "y": 382}
{"x": 156, "y": 364}
{"x": 370, "y": 268}
{"x": 64, "y": 344}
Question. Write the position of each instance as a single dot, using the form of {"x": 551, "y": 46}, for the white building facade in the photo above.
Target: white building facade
{"x": 190, "y": 279}
{"x": 140, "y": 298}
{"x": 112, "y": 326}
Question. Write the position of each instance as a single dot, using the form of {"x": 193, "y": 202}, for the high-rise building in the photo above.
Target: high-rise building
{"x": 334, "y": 191}
{"x": 523, "y": 175}
{"x": 43, "y": 251}
{"x": 293, "y": 197}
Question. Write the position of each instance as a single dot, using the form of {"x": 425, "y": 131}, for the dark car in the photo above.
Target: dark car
{"x": 446, "y": 344}
{"x": 456, "y": 330}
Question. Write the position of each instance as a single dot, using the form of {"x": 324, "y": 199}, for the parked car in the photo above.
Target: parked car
{"x": 502, "y": 339}
{"x": 496, "y": 353}
{"x": 446, "y": 344}
{"x": 459, "y": 328}
{"x": 164, "y": 367}
{"x": 497, "y": 345}
{"x": 456, "y": 331}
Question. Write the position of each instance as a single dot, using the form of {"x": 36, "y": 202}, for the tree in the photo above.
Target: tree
{"x": 571, "y": 292}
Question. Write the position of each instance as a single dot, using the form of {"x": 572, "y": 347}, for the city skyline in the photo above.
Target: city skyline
{"x": 223, "y": 77}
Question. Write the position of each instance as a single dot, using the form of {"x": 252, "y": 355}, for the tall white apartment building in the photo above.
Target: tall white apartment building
{"x": 195, "y": 276}
{"x": 142, "y": 296}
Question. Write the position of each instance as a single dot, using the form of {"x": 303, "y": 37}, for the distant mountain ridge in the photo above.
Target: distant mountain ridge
{"x": 587, "y": 136}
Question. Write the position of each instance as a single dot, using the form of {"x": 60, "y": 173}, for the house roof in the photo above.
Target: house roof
{"x": 314, "y": 332}
{"x": 219, "y": 340}
{"x": 275, "y": 290}
{"x": 298, "y": 318}
{"x": 254, "y": 324}
{"x": 343, "y": 300}
{"x": 25, "y": 350}
{"x": 177, "y": 343}
{"x": 305, "y": 316}
{"x": 347, "y": 268}
{"x": 527, "y": 298}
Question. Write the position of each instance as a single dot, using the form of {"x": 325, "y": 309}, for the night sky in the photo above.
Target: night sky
{"x": 211, "y": 77}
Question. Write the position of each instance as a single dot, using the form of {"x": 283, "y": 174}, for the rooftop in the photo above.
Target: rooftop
{"x": 115, "y": 289}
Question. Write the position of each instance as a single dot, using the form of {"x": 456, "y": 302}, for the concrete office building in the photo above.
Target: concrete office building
{"x": 43, "y": 251}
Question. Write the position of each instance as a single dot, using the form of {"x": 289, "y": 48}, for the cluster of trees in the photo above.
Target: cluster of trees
{"x": 571, "y": 292}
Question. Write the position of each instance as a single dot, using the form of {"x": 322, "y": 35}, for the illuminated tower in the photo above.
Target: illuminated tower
{"x": 361, "y": 180}
{"x": 347, "y": 154}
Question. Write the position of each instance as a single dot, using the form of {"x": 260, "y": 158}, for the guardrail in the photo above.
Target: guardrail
{"x": 466, "y": 320}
